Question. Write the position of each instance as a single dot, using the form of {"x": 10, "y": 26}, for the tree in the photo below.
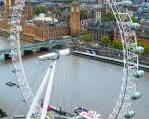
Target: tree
{"x": 87, "y": 38}
{"x": 146, "y": 47}
{"x": 146, "y": 50}
{"x": 108, "y": 17}
{"x": 105, "y": 41}
{"x": 117, "y": 44}
{"x": 134, "y": 20}
{"x": 57, "y": 12}
{"x": 2, "y": 114}
{"x": 83, "y": 14}
{"x": 40, "y": 9}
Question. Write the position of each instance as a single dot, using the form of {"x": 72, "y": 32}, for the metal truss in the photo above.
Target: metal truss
{"x": 18, "y": 69}
{"x": 129, "y": 42}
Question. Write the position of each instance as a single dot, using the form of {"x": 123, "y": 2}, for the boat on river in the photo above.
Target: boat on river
{"x": 87, "y": 114}
{"x": 90, "y": 115}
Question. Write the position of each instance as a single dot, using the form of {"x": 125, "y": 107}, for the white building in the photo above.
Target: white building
{"x": 49, "y": 19}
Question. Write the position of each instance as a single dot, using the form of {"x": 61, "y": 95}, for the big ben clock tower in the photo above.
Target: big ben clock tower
{"x": 75, "y": 19}
{"x": 9, "y": 2}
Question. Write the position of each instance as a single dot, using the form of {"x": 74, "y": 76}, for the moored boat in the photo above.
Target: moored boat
{"x": 87, "y": 114}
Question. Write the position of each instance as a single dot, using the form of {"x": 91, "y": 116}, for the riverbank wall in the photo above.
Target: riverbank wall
{"x": 4, "y": 33}
{"x": 30, "y": 39}
{"x": 105, "y": 59}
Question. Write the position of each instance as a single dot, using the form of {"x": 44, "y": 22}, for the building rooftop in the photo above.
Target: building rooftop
{"x": 144, "y": 7}
{"x": 102, "y": 25}
{"x": 143, "y": 11}
{"x": 63, "y": 1}
{"x": 75, "y": 3}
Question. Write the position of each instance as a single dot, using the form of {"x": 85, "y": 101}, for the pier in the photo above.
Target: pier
{"x": 106, "y": 59}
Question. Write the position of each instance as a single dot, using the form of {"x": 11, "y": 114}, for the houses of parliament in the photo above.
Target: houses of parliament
{"x": 41, "y": 28}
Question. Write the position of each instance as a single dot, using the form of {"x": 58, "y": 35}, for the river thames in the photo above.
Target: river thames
{"x": 78, "y": 81}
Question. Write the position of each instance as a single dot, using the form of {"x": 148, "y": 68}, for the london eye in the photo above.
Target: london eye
{"x": 123, "y": 107}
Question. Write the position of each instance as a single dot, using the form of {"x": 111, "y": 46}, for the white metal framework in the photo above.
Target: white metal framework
{"x": 52, "y": 57}
{"x": 18, "y": 69}
{"x": 129, "y": 43}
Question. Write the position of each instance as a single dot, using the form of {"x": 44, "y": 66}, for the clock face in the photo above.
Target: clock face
{"x": 77, "y": 9}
